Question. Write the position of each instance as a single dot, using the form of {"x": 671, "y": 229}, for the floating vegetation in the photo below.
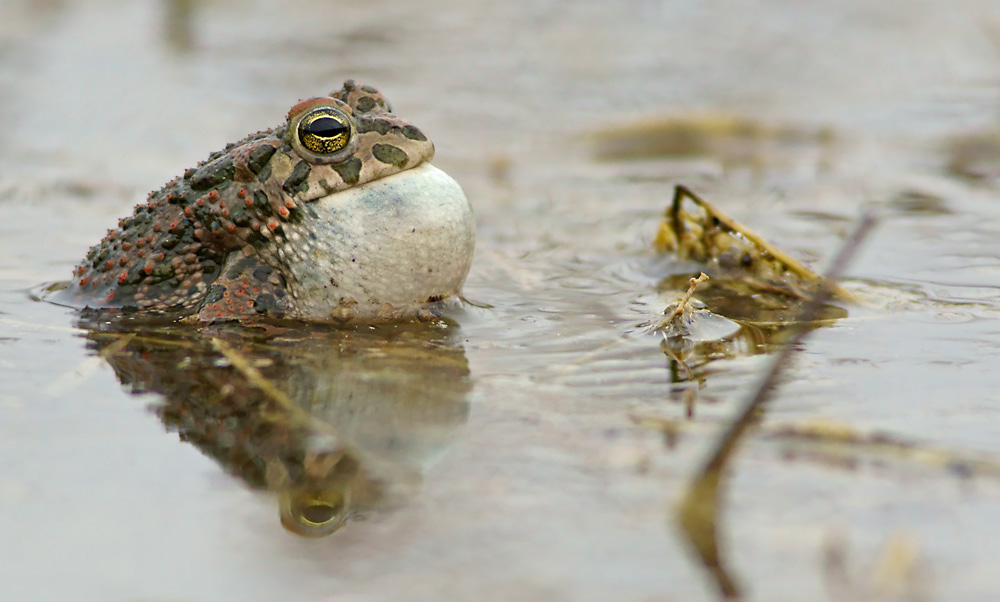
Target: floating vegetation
{"x": 697, "y": 230}
{"x": 974, "y": 156}
{"x": 749, "y": 299}
{"x": 731, "y": 139}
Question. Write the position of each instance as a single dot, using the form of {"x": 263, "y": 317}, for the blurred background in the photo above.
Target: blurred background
{"x": 568, "y": 124}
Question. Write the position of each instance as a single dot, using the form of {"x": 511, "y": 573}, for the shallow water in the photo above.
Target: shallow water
{"x": 531, "y": 475}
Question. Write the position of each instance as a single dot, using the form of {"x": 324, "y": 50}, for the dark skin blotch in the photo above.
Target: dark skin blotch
{"x": 256, "y": 239}
{"x": 213, "y": 175}
{"x": 214, "y": 294}
{"x": 261, "y": 204}
{"x": 239, "y": 216}
{"x": 366, "y": 104}
{"x": 393, "y": 155}
{"x": 209, "y": 267}
{"x": 413, "y": 133}
{"x": 374, "y": 125}
{"x": 265, "y": 172}
{"x": 262, "y": 273}
{"x": 259, "y": 157}
{"x": 266, "y": 304}
{"x": 236, "y": 270}
{"x": 349, "y": 170}
{"x": 297, "y": 181}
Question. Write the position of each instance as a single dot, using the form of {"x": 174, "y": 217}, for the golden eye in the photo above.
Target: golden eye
{"x": 318, "y": 513}
{"x": 321, "y": 131}
{"x": 324, "y": 131}
{"x": 314, "y": 513}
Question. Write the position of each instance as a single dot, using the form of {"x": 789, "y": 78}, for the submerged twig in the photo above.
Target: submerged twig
{"x": 698, "y": 510}
{"x": 296, "y": 414}
{"x": 87, "y": 367}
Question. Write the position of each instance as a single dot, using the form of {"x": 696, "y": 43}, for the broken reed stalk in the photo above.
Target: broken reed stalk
{"x": 728, "y": 224}
{"x": 683, "y": 304}
{"x": 698, "y": 510}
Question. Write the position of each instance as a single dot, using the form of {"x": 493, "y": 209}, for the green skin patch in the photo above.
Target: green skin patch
{"x": 393, "y": 155}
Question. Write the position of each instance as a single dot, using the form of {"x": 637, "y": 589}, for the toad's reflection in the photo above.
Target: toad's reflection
{"x": 336, "y": 422}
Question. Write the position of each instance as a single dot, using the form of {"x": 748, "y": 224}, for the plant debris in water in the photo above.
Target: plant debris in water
{"x": 684, "y": 319}
{"x": 749, "y": 299}
{"x": 731, "y": 139}
{"x": 697, "y": 230}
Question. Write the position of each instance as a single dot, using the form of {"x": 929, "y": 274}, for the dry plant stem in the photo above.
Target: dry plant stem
{"x": 682, "y": 305}
{"x": 809, "y": 315}
{"x": 698, "y": 510}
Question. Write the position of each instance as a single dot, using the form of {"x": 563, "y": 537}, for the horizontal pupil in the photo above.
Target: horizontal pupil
{"x": 325, "y": 127}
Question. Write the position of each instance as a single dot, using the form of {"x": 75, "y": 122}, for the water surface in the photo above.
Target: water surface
{"x": 527, "y": 477}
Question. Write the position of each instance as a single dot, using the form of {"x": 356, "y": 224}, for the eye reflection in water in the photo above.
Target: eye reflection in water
{"x": 314, "y": 513}
{"x": 336, "y": 422}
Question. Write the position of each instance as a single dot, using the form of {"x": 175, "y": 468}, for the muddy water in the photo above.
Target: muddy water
{"x": 523, "y": 473}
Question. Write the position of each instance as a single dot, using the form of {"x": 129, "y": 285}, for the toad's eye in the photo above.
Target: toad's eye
{"x": 323, "y": 131}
